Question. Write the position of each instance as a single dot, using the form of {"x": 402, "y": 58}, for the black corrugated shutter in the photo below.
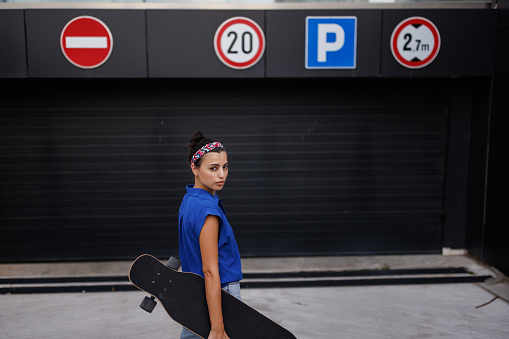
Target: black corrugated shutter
{"x": 96, "y": 169}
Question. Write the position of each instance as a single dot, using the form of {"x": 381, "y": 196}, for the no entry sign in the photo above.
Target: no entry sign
{"x": 239, "y": 43}
{"x": 86, "y": 42}
{"x": 415, "y": 42}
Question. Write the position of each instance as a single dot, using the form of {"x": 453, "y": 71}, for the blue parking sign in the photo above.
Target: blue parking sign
{"x": 331, "y": 42}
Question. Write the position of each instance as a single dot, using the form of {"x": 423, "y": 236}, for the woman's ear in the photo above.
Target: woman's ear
{"x": 194, "y": 169}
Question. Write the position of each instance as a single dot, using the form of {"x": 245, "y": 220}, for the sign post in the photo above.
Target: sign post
{"x": 415, "y": 42}
{"x": 331, "y": 42}
{"x": 86, "y": 42}
{"x": 239, "y": 43}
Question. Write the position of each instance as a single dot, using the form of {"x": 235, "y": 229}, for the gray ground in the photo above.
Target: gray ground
{"x": 405, "y": 311}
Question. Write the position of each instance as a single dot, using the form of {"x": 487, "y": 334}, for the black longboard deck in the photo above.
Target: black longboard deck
{"x": 183, "y": 297}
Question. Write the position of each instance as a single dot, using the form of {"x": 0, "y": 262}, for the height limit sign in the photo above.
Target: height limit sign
{"x": 239, "y": 43}
{"x": 415, "y": 42}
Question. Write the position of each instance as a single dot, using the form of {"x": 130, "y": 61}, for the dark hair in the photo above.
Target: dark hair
{"x": 198, "y": 141}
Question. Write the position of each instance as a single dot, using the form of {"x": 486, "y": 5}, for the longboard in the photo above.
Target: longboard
{"x": 183, "y": 297}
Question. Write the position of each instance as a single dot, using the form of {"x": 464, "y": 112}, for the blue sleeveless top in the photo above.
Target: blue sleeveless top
{"x": 196, "y": 206}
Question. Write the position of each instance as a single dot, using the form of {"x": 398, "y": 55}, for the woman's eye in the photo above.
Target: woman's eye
{"x": 213, "y": 168}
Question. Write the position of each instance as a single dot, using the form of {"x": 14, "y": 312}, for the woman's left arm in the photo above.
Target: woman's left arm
{"x": 209, "y": 238}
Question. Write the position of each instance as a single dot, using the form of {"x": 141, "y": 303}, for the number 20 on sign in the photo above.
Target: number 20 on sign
{"x": 239, "y": 43}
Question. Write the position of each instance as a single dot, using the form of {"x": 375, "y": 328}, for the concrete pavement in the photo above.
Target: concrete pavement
{"x": 444, "y": 310}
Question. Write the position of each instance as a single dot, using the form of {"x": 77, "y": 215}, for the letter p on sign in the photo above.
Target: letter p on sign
{"x": 324, "y": 46}
{"x": 331, "y": 42}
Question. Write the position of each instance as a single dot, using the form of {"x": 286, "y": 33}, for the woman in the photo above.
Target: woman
{"x": 207, "y": 245}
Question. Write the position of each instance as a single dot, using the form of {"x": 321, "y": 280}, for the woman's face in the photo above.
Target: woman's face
{"x": 212, "y": 173}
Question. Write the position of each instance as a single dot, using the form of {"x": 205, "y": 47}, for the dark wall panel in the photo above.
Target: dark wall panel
{"x": 286, "y": 46}
{"x": 478, "y": 166}
{"x": 467, "y": 42}
{"x": 181, "y": 44}
{"x": 13, "y": 56}
{"x": 456, "y": 185}
{"x": 128, "y": 58}
{"x": 316, "y": 166}
{"x": 493, "y": 247}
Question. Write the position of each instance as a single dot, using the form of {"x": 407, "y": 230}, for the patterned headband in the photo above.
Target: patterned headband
{"x": 205, "y": 149}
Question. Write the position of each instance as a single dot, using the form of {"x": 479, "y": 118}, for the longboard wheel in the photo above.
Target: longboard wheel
{"x": 148, "y": 304}
{"x": 173, "y": 263}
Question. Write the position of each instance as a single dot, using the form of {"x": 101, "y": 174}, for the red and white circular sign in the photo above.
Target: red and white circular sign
{"x": 239, "y": 43}
{"x": 415, "y": 42}
{"x": 86, "y": 42}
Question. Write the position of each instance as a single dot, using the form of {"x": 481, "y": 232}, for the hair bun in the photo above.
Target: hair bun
{"x": 197, "y": 142}
{"x": 195, "y": 139}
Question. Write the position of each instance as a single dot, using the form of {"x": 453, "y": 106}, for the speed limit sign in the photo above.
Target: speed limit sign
{"x": 415, "y": 42}
{"x": 239, "y": 43}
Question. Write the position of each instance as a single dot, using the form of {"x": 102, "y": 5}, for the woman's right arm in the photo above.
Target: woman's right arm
{"x": 209, "y": 238}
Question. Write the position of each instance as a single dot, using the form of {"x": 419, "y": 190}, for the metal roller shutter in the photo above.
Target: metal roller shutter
{"x": 97, "y": 169}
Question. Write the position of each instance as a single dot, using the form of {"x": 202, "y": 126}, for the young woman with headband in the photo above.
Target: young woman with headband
{"x": 207, "y": 245}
